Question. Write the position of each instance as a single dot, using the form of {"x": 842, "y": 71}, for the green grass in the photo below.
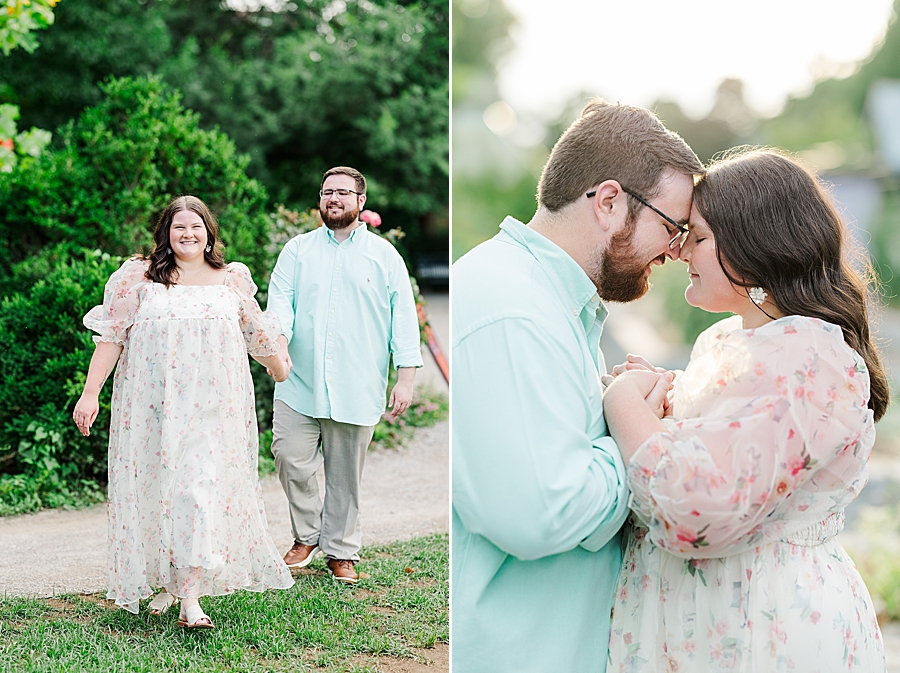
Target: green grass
{"x": 400, "y": 603}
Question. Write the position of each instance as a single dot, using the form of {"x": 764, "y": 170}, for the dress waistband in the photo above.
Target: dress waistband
{"x": 818, "y": 533}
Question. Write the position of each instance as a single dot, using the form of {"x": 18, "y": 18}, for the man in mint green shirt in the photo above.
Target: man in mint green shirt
{"x": 346, "y": 307}
{"x": 538, "y": 487}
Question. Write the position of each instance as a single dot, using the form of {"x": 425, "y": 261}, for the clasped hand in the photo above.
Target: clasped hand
{"x": 639, "y": 376}
{"x": 283, "y": 368}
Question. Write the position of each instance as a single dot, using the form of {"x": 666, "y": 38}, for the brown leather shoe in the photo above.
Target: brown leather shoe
{"x": 343, "y": 570}
{"x": 301, "y": 555}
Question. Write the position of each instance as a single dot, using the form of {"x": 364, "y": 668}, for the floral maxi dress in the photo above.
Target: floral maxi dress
{"x": 185, "y": 507}
{"x": 734, "y": 564}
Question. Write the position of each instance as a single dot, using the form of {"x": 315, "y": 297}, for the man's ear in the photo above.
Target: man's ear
{"x": 362, "y": 201}
{"x": 609, "y": 203}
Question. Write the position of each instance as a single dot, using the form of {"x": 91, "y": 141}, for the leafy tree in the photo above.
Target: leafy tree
{"x": 299, "y": 90}
{"x": 113, "y": 172}
{"x": 17, "y": 26}
{"x": 21, "y": 19}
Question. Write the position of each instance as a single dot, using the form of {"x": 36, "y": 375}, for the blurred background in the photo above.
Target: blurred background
{"x": 812, "y": 76}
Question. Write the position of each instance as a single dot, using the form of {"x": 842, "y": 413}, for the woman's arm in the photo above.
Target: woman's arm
{"x": 275, "y": 366}
{"x": 633, "y": 404}
{"x": 103, "y": 361}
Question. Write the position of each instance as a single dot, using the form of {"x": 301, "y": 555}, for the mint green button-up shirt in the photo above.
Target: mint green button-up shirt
{"x": 539, "y": 488}
{"x": 346, "y": 308}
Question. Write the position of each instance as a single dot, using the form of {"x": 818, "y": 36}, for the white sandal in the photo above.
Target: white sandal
{"x": 161, "y": 603}
{"x": 192, "y": 616}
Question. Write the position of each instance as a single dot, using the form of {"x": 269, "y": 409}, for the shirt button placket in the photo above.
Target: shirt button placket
{"x": 330, "y": 328}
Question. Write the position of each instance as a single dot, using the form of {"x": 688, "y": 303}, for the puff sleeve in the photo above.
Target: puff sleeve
{"x": 113, "y": 319}
{"x": 260, "y": 328}
{"x": 771, "y": 435}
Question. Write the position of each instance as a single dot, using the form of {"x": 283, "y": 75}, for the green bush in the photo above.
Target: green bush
{"x": 110, "y": 173}
{"x": 44, "y": 357}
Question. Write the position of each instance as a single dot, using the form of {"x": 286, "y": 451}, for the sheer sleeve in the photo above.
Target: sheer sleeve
{"x": 771, "y": 434}
{"x": 113, "y": 319}
{"x": 260, "y": 328}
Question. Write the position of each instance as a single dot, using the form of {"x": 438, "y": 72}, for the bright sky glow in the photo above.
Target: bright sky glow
{"x": 636, "y": 51}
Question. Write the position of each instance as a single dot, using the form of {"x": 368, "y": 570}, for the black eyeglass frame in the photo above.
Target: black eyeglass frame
{"x": 683, "y": 232}
{"x": 349, "y": 192}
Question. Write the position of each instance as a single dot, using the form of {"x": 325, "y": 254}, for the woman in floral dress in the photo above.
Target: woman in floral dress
{"x": 185, "y": 508}
{"x": 739, "y": 489}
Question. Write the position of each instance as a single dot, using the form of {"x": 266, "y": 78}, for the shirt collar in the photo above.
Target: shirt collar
{"x": 353, "y": 234}
{"x": 576, "y": 289}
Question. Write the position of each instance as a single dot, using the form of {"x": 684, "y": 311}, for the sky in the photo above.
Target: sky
{"x": 636, "y": 51}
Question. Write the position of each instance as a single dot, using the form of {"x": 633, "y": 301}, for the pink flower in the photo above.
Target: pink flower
{"x": 815, "y": 616}
{"x": 795, "y": 464}
{"x": 371, "y": 218}
{"x": 685, "y": 534}
{"x": 627, "y": 638}
{"x": 6, "y": 143}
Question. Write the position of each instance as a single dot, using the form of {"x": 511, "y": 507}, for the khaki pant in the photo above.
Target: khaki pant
{"x": 333, "y": 524}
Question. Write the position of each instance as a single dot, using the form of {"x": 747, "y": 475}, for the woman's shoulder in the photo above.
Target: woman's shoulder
{"x": 715, "y": 334}
{"x": 237, "y": 270}
{"x": 132, "y": 271}
{"x": 239, "y": 279}
{"x": 136, "y": 263}
{"x": 793, "y": 333}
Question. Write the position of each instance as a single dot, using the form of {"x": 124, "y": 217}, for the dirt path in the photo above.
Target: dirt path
{"x": 405, "y": 494}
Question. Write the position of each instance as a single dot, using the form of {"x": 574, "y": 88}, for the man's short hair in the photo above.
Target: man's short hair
{"x": 352, "y": 172}
{"x": 613, "y": 142}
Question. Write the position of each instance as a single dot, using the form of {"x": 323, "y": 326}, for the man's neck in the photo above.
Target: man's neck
{"x": 341, "y": 235}
{"x": 565, "y": 229}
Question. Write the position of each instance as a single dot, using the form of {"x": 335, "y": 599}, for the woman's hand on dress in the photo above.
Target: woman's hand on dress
{"x": 86, "y": 410}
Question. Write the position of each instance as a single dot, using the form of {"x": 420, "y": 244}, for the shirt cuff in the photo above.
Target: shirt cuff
{"x": 407, "y": 358}
{"x": 614, "y": 521}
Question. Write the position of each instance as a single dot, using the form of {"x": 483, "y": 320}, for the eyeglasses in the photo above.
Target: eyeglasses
{"x": 677, "y": 240}
{"x": 325, "y": 193}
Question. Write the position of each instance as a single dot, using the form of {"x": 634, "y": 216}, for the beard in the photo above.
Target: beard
{"x": 342, "y": 221}
{"x": 619, "y": 272}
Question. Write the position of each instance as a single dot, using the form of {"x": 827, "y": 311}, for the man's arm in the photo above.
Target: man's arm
{"x": 404, "y": 341}
{"x": 527, "y": 475}
{"x": 281, "y": 293}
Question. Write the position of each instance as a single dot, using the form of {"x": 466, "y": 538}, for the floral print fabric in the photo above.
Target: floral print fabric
{"x": 185, "y": 506}
{"x": 733, "y": 564}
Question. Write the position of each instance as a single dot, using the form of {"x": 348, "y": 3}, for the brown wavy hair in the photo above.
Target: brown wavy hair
{"x": 613, "y": 142}
{"x": 162, "y": 264}
{"x": 776, "y": 228}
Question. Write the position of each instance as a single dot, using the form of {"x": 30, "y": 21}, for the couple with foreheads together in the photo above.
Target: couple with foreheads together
{"x": 648, "y": 520}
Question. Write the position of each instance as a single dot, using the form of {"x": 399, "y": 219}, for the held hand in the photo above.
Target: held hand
{"x": 657, "y": 399}
{"x": 401, "y": 398}
{"x": 650, "y": 386}
{"x": 635, "y": 362}
{"x": 281, "y": 372}
{"x": 283, "y": 352}
{"x": 86, "y": 410}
